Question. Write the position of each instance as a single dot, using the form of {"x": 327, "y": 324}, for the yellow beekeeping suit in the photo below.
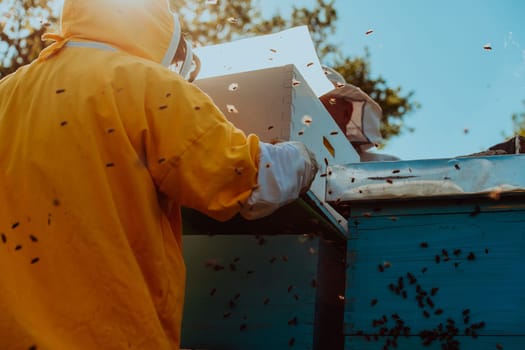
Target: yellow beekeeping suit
{"x": 100, "y": 146}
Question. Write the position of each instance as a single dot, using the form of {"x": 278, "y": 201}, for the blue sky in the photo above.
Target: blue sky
{"x": 435, "y": 48}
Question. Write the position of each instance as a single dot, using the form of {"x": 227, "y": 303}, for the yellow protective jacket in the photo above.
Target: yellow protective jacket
{"x": 99, "y": 149}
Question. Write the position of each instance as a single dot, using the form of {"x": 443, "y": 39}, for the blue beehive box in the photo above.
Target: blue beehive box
{"x": 273, "y": 283}
{"x": 435, "y": 257}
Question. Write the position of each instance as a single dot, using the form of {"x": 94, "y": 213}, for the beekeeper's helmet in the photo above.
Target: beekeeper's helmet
{"x": 184, "y": 61}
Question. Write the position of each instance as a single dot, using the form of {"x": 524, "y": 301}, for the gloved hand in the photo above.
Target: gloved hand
{"x": 311, "y": 165}
{"x": 286, "y": 171}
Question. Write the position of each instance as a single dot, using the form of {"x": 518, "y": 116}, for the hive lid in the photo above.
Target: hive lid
{"x": 486, "y": 175}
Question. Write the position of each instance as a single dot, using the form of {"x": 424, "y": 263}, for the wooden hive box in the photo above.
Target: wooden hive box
{"x": 273, "y": 283}
{"x": 436, "y": 254}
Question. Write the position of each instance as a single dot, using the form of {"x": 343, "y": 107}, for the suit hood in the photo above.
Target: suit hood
{"x": 144, "y": 28}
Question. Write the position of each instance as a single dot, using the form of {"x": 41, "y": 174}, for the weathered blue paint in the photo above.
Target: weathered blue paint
{"x": 433, "y": 240}
{"x": 465, "y": 343}
{"x": 270, "y": 284}
{"x": 211, "y": 322}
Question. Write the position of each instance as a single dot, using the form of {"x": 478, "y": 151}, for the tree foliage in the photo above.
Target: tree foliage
{"x": 211, "y": 22}
{"x": 22, "y": 24}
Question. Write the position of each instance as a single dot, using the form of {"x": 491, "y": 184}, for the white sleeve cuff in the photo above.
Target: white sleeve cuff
{"x": 285, "y": 171}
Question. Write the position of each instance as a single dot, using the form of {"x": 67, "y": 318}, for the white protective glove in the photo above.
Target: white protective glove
{"x": 311, "y": 165}
{"x": 286, "y": 170}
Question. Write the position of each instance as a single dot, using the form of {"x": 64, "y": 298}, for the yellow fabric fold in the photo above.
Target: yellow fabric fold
{"x": 59, "y": 43}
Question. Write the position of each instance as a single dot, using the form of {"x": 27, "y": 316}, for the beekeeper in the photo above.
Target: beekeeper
{"x": 101, "y": 145}
{"x": 357, "y": 115}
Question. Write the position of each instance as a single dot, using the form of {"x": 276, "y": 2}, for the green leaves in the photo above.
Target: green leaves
{"x": 21, "y": 28}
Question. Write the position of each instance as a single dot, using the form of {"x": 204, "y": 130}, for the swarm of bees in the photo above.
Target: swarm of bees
{"x": 390, "y": 329}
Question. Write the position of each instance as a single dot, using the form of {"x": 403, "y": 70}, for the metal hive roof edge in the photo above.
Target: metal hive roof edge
{"x": 429, "y": 178}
